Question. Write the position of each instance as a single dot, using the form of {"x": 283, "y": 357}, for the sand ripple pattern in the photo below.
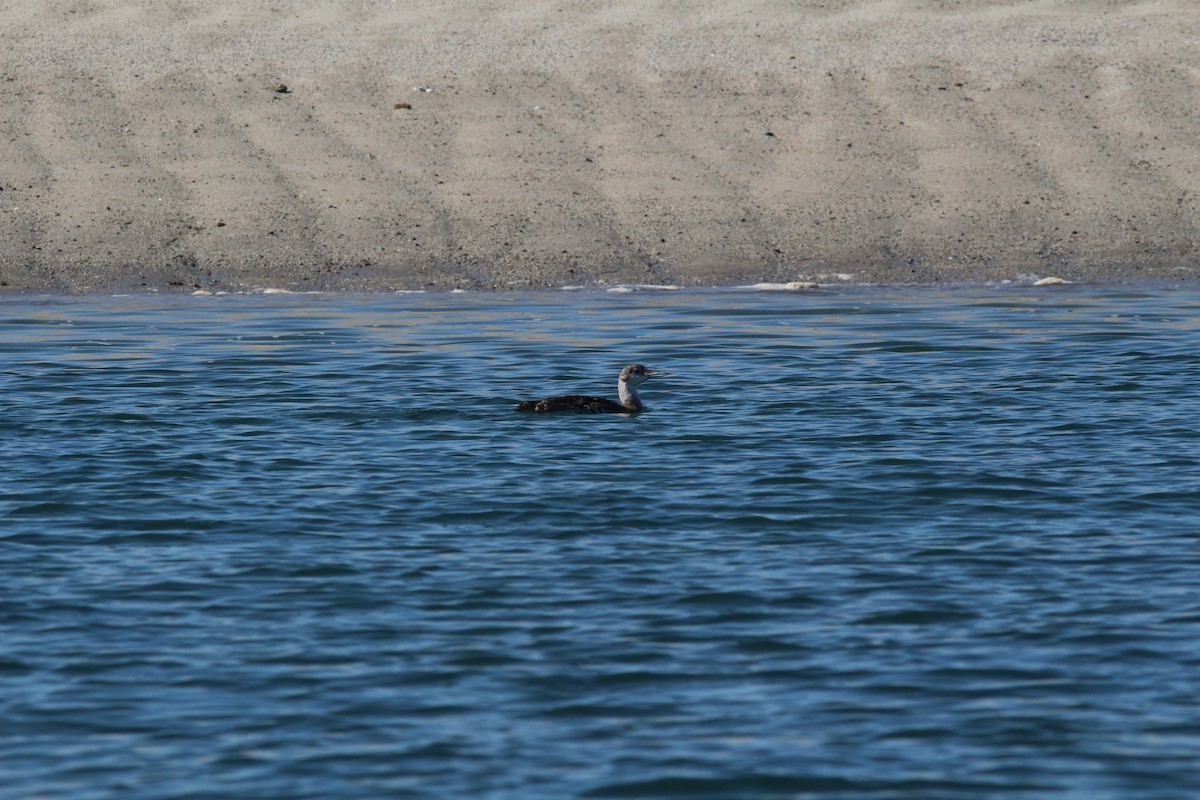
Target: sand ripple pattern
{"x": 546, "y": 144}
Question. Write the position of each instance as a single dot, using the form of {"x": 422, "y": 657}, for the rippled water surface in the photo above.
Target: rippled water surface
{"x": 865, "y": 543}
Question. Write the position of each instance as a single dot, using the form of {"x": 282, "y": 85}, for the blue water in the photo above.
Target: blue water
{"x": 866, "y": 543}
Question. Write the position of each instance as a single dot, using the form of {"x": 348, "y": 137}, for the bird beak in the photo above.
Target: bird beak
{"x": 657, "y": 373}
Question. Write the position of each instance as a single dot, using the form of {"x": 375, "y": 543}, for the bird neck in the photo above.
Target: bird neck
{"x": 628, "y": 396}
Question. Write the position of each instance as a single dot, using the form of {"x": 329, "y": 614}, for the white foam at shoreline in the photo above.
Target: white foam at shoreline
{"x": 642, "y": 287}
{"x": 790, "y": 286}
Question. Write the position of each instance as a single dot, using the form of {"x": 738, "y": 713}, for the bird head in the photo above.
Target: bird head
{"x": 636, "y": 373}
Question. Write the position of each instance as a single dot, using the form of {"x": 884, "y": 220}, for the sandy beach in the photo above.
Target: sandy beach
{"x": 373, "y": 145}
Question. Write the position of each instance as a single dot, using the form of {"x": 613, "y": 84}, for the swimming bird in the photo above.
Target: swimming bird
{"x": 627, "y": 385}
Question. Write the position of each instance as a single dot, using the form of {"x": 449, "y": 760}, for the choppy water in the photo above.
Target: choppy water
{"x": 866, "y": 544}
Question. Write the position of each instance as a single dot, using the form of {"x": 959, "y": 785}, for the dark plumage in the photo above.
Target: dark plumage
{"x": 578, "y": 403}
{"x": 627, "y": 384}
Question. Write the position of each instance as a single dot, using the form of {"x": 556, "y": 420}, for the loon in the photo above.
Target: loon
{"x": 627, "y": 385}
